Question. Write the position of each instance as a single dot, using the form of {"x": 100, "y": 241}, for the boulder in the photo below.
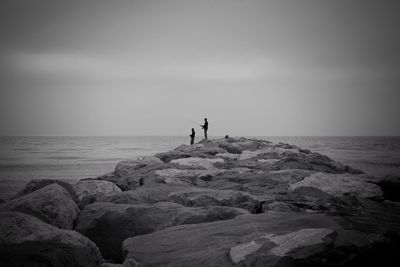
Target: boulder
{"x": 313, "y": 162}
{"x": 205, "y": 150}
{"x": 27, "y": 241}
{"x": 108, "y": 224}
{"x": 171, "y": 155}
{"x": 289, "y": 176}
{"x": 36, "y": 184}
{"x": 390, "y": 187}
{"x": 268, "y": 239}
{"x": 189, "y": 176}
{"x": 202, "y": 197}
{"x": 238, "y": 145}
{"x": 197, "y": 163}
{"x": 128, "y": 167}
{"x": 86, "y": 188}
{"x": 52, "y": 204}
{"x": 264, "y": 153}
{"x": 147, "y": 194}
{"x": 253, "y": 182}
{"x": 313, "y": 199}
{"x": 132, "y": 174}
{"x": 340, "y": 184}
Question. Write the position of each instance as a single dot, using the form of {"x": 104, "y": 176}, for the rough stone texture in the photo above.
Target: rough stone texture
{"x": 128, "y": 167}
{"x": 205, "y": 150}
{"x": 52, "y": 204}
{"x": 36, "y": 184}
{"x": 197, "y": 163}
{"x": 271, "y": 153}
{"x": 314, "y": 162}
{"x": 147, "y": 194}
{"x": 86, "y": 188}
{"x": 27, "y": 241}
{"x": 340, "y": 184}
{"x": 289, "y": 176}
{"x": 132, "y": 174}
{"x": 253, "y": 240}
{"x": 209, "y": 197}
{"x": 108, "y": 224}
{"x": 188, "y": 177}
{"x": 285, "y": 243}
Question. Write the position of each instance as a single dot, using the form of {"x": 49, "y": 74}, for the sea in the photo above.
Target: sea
{"x": 72, "y": 158}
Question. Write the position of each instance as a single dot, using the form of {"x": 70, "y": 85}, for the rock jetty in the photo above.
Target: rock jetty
{"x": 222, "y": 202}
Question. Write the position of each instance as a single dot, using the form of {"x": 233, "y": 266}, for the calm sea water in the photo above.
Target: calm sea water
{"x": 72, "y": 158}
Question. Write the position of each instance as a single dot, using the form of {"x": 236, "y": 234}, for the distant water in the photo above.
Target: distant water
{"x": 73, "y": 158}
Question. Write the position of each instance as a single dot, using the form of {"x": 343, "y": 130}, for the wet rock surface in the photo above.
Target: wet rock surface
{"x": 224, "y": 202}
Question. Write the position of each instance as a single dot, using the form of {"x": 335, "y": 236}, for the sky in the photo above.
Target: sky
{"x": 253, "y": 68}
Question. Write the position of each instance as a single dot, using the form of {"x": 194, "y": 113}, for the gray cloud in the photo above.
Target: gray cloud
{"x": 148, "y": 67}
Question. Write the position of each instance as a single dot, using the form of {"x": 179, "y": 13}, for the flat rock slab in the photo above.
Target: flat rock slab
{"x": 203, "y": 197}
{"x": 340, "y": 184}
{"x": 52, "y": 204}
{"x": 27, "y": 241}
{"x": 108, "y": 224}
{"x": 263, "y": 238}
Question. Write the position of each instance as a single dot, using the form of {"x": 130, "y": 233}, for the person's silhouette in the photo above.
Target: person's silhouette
{"x": 205, "y": 127}
{"x": 192, "y": 135}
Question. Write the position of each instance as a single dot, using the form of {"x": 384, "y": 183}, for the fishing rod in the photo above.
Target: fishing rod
{"x": 192, "y": 122}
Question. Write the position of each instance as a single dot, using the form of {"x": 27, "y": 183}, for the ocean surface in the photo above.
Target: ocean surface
{"x": 71, "y": 158}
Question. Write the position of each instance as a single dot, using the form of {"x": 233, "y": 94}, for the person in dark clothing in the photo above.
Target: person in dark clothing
{"x": 192, "y": 137}
{"x": 205, "y": 127}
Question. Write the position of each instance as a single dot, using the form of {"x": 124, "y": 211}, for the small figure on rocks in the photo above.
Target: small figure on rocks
{"x": 205, "y": 127}
{"x": 192, "y": 135}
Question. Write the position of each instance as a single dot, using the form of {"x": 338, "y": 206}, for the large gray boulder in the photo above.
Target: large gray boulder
{"x": 108, "y": 224}
{"x": 128, "y": 167}
{"x": 203, "y": 197}
{"x": 313, "y": 162}
{"x": 131, "y": 174}
{"x": 269, "y": 239}
{"x": 37, "y": 184}
{"x": 27, "y": 241}
{"x": 85, "y": 188}
{"x": 147, "y": 194}
{"x": 52, "y": 204}
{"x": 340, "y": 184}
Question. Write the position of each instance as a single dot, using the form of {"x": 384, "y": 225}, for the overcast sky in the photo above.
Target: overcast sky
{"x": 158, "y": 67}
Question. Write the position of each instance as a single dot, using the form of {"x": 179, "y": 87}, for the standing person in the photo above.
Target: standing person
{"x": 192, "y": 137}
{"x": 205, "y": 127}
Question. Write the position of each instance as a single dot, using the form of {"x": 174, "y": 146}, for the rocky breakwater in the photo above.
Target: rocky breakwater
{"x": 224, "y": 202}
